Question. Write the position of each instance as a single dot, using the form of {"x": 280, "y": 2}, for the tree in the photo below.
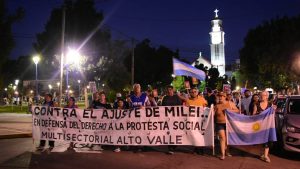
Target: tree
{"x": 153, "y": 66}
{"x": 270, "y": 53}
{"x": 7, "y": 42}
{"x": 213, "y": 78}
{"x": 83, "y": 31}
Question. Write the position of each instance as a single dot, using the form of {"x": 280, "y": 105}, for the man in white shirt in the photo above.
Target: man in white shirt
{"x": 246, "y": 102}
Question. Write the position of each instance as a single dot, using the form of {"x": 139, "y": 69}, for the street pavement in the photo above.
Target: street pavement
{"x": 14, "y": 125}
{"x": 19, "y": 153}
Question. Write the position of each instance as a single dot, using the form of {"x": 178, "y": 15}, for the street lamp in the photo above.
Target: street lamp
{"x": 50, "y": 87}
{"x": 78, "y": 89}
{"x": 16, "y": 82}
{"x": 36, "y": 60}
{"x": 73, "y": 57}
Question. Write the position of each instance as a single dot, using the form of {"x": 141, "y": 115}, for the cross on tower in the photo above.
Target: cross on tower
{"x": 216, "y": 11}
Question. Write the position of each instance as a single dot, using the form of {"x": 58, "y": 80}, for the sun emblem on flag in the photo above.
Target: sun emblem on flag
{"x": 255, "y": 126}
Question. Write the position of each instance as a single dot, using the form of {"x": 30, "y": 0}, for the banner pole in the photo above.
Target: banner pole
{"x": 213, "y": 126}
{"x": 226, "y": 128}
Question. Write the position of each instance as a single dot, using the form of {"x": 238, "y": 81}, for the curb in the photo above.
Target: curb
{"x": 11, "y": 136}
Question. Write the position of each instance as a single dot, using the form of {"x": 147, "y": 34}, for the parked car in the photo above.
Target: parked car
{"x": 279, "y": 101}
{"x": 290, "y": 128}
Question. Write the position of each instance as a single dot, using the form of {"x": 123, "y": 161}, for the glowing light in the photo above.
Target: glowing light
{"x": 73, "y": 57}
{"x": 237, "y": 88}
{"x": 36, "y": 59}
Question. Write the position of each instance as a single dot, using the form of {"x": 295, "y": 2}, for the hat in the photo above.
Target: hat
{"x": 221, "y": 94}
{"x": 118, "y": 95}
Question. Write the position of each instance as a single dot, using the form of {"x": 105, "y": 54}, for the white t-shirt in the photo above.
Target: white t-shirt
{"x": 245, "y": 104}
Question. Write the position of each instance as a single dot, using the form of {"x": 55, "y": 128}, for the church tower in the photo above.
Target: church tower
{"x": 217, "y": 44}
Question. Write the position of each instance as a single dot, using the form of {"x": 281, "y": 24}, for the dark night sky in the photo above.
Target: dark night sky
{"x": 182, "y": 24}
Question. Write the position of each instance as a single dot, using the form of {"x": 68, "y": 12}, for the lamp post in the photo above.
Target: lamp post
{"x": 36, "y": 60}
{"x": 50, "y": 87}
{"x": 73, "y": 57}
{"x": 79, "y": 89}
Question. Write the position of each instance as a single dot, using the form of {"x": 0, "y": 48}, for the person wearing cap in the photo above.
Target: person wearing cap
{"x": 220, "y": 109}
{"x": 119, "y": 97}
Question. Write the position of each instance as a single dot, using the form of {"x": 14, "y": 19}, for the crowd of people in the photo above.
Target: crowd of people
{"x": 238, "y": 102}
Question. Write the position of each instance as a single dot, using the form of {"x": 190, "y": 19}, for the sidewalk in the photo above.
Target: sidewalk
{"x": 14, "y": 125}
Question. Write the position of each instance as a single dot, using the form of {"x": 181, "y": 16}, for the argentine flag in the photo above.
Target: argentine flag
{"x": 248, "y": 130}
{"x": 184, "y": 69}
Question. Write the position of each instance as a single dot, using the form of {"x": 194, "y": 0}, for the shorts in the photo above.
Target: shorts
{"x": 220, "y": 126}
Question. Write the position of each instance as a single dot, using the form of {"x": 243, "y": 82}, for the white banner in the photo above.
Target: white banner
{"x": 163, "y": 125}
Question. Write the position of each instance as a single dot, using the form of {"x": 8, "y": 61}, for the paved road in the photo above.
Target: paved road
{"x": 17, "y": 153}
{"x": 14, "y": 125}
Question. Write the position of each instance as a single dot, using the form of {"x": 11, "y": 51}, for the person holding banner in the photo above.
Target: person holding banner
{"x": 71, "y": 104}
{"x": 220, "y": 108}
{"x": 120, "y": 105}
{"x": 138, "y": 98}
{"x": 49, "y": 103}
{"x": 196, "y": 100}
{"x": 100, "y": 103}
{"x": 171, "y": 100}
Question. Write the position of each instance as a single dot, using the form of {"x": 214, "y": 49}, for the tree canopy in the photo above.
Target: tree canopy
{"x": 7, "y": 41}
{"x": 271, "y": 52}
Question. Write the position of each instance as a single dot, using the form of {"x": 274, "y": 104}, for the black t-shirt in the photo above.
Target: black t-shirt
{"x": 171, "y": 101}
{"x": 98, "y": 105}
{"x": 211, "y": 100}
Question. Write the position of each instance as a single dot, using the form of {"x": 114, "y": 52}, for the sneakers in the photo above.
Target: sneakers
{"x": 222, "y": 157}
{"x": 170, "y": 152}
{"x": 117, "y": 150}
{"x": 265, "y": 158}
{"x": 228, "y": 154}
{"x": 40, "y": 148}
{"x": 97, "y": 147}
{"x": 70, "y": 148}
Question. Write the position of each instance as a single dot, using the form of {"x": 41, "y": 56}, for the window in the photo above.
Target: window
{"x": 294, "y": 106}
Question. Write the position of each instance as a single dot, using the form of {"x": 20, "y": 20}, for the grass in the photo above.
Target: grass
{"x": 14, "y": 109}
{"x": 24, "y": 108}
